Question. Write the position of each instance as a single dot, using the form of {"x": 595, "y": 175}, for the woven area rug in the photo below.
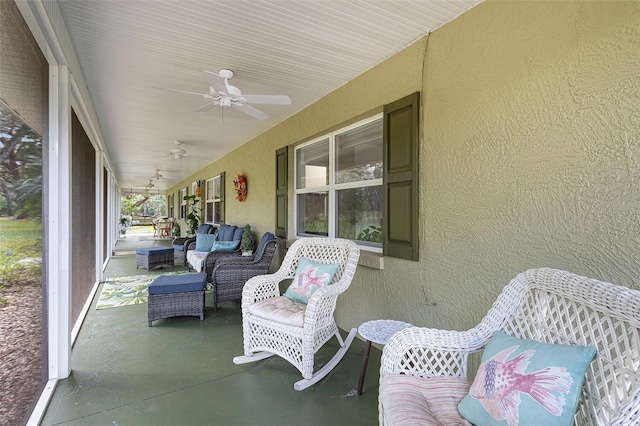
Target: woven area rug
{"x": 126, "y": 291}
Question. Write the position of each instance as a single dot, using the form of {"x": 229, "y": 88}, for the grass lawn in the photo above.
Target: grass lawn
{"x": 140, "y": 229}
{"x": 19, "y": 239}
{"x": 23, "y": 237}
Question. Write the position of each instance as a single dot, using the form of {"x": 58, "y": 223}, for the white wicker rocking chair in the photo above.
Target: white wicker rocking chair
{"x": 265, "y": 337}
{"x": 549, "y": 306}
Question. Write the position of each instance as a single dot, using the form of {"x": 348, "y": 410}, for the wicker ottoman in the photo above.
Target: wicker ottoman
{"x": 154, "y": 256}
{"x": 176, "y": 295}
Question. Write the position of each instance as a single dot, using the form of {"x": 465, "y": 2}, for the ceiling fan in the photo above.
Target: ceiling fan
{"x": 223, "y": 94}
{"x": 178, "y": 152}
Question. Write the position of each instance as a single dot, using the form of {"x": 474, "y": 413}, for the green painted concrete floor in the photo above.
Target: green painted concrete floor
{"x": 180, "y": 371}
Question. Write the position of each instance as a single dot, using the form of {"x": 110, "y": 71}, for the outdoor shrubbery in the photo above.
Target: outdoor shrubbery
{"x": 20, "y": 200}
{"x": 20, "y": 251}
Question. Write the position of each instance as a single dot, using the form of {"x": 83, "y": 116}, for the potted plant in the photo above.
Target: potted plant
{"x": 193, "y": 218}
{"x": 124, "y": 223}
{"x": 176, "y": 229}
{"x": 246, "y": 243}
{"x": 372, "y": 233}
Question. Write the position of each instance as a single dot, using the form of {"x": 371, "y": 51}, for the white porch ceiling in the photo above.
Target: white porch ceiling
{"x": 304, "y": 49}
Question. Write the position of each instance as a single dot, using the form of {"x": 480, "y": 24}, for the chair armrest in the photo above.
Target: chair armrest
{"x": 227, "y": 272}
{"x": 178, "y": 240}
{"x": 428, "y": 352}
{"x": 212, "y": 258}
{"x": 262, "y": 287}
{"x": 227, "y": 262}
{"x": 236, "y": 268}
{"x": 184, "y": 241}
{"x": 234, "y": 261}
{"x": 629, "y": 414}
{"x": 320, "y": 307}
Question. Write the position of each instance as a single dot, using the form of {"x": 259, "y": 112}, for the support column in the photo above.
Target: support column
{"x": 59, "y": 224}
{"x": 100, "y": 213}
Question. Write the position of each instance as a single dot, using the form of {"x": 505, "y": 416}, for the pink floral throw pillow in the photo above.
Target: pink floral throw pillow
{"x": 309, "y": 277}
{"x": 524, "y": 382}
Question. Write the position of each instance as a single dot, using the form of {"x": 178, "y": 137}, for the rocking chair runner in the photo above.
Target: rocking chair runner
{"x": 269, "y": 333}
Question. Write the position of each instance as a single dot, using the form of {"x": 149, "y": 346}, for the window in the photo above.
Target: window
{"x": 339, "y": 184}
{"x": 170, "y": 201}
{"x": 183, "y": 203}
{"x": 213, "y": 200}
{"x": 282, "y": 189}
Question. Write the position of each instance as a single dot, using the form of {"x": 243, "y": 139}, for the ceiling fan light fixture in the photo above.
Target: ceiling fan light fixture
{"x": 226, "y": 74}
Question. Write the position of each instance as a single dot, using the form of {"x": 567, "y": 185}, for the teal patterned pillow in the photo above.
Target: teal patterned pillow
{"x": 524, "y": 382}
{"x": 225, "y": 245}
{"x": 205, "y": 241}
{"x": 309, "y": 277}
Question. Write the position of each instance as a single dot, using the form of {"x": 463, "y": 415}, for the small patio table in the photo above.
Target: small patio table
{"x": 377, "y": 331}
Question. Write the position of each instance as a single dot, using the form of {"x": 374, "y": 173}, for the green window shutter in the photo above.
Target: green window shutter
{"x": 401, "y": 127}
{"x": 281, "y": 192}
{"x": 222, "y": 197}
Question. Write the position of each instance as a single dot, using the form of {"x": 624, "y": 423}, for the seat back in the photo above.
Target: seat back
{"x": 229, "y": 233}
{"x": 166, "y": 227}
{"x": 268, "y": 236}
{"x": 205, "y": 228}
{"x": 554, "y": 306}
{"x": 344, "y": 253}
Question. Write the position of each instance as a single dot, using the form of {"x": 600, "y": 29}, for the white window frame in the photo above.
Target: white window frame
{"x": 211, "y": 181}
{"x": 183, "y": 203}
{"x": 332, "y": 187}
{"x": 170, "y": 205}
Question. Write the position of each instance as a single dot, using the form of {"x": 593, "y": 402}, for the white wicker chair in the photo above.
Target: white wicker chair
{"x": 550, "y": 306}
{"x": 264, "y": 337}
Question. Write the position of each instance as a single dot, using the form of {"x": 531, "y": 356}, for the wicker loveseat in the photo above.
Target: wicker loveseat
{"x": 181, "y": 244}
{"x": 545, "y": 305}
{"x": 225, "y": 233}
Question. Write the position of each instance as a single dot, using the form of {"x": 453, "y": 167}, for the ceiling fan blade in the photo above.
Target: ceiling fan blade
{"x": 199, "y": 157}
{"x": 221, "y": 89}
{"x": 203, "y": 95}
{"x": 177, "y": 151}
{"x": 215, "y": 74}
{"x": 217, "y": 82}
{"x": 207, "y": 107}
{"x": 253, "y": 112}
{"x": 268, "y": 99}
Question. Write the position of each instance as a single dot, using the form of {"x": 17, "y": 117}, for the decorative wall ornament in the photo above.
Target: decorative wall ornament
{"x": 240, "y": 186}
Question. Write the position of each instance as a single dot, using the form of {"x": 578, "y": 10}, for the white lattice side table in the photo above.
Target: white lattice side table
{"x": 377, "y": 331}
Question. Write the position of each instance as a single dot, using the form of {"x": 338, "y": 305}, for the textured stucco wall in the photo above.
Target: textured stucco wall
{"x": 531, "y": 150}
{"x": 530, "y": 145}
